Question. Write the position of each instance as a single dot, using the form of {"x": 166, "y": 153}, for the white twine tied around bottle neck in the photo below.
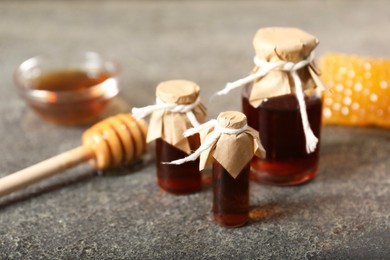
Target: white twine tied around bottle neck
{"x": 264, "y": 68}
{"x": 172, "y": 107}
{"x": 210, "y": 140}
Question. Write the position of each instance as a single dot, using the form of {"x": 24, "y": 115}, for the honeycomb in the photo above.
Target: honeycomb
{"x": 360, "y": 90}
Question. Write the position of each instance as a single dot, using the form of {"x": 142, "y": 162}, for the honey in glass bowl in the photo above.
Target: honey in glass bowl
{"x": 70, "y": 91}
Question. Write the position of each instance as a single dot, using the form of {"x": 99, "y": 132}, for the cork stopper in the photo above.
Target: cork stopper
{"x": 283, "y": 43}
{"x": 232, "y": 119}
{"x": 178, "y": 91}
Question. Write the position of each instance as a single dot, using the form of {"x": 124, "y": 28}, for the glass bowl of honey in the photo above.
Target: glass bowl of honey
{"x": 68, "y": 90}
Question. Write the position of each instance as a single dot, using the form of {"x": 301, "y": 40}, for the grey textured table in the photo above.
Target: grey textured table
{"x": 342, "y": 214}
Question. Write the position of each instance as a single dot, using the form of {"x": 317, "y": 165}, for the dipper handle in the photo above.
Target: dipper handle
{"x": 115, "y": 141}
{"x": 44, "y": 169}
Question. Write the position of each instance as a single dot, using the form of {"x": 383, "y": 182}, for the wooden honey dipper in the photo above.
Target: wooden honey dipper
{"x": 115, "y": 141}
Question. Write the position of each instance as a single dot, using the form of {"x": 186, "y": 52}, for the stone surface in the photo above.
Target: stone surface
{"x": 342, "y": 214}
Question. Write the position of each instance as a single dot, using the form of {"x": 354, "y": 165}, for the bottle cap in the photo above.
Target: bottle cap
{"x": 170, "y": 124}
{"x": 282, "y": 43}
{"x": 286, "y": 45}
{"x": 178, "y": 91}
{"x": 232, "y": 119}
{"x": 241, "y": 145}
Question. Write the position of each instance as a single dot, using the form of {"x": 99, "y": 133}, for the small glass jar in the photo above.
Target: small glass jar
{"x": 177, "y": 109}
{"x": 230, "y": 196}
{"x": 177, "y": 179}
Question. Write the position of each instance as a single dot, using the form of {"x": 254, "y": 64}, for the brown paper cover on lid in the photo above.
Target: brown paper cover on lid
{"x": 283, "y": 44}
{"x": 170, "y": 126}
{"x": 178, "y": 91}
{"x": 232, "y": 151}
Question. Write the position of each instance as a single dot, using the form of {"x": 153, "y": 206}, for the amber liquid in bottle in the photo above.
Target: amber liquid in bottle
{"x": 230, "y": 196}
{"x": 69, "y": 81}
{"x": 177, "y": 179}
{"x": 279, "y": 123}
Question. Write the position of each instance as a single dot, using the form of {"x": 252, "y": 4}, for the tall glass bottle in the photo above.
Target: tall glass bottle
{"x": 230, "y": 144}
{"x": 230, "y": 196}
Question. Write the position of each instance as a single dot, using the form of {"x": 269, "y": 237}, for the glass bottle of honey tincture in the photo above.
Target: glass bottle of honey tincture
{"x": 230, "y": 173}
{"x": 229, "y": 144}
{"x": 281, "y": 98}
{"x": 177, "y": 109}
{"x": 285, "y": 106}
